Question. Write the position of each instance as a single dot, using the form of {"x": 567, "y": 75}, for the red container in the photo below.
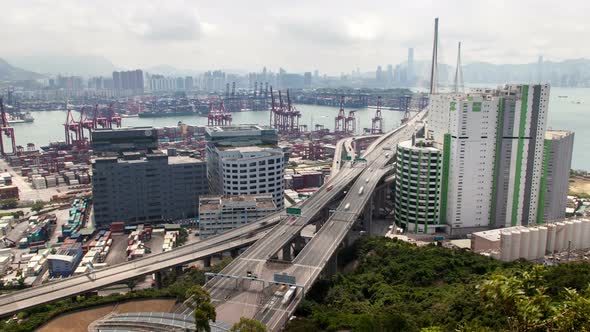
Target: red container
{"x": 117, "y": 227}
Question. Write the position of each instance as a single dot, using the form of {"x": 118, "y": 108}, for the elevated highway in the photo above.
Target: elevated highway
{"x": 276, "y": 230}
{"x": 243, "y": 236}
{"x": 234, "y": 299}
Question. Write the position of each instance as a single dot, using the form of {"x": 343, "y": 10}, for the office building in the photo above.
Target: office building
{"x": 557, "y": 161}
{"x": 119, "y": 140}
{"x": 218, "y": 214}
{"x": 418, "y": 186}
{"x": 136, "y": 188}
{"x": 245, "y": 160}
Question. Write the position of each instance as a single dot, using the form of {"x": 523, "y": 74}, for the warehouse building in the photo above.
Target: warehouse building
{"x": 64, "y": 262}
{"x": 218, "y": 214}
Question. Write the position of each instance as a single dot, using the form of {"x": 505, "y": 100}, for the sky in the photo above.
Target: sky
{"x": 298, "y": 35}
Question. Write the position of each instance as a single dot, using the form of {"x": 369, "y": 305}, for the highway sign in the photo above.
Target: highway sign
{"x": 293, "y": 211}
{"x": 284, "y": 278}
{"x": 360, "y": 159}
{"x": 348, "y": 158}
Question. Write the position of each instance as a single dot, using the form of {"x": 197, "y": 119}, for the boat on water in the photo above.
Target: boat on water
{"x": 152, "y": 114}
{"x": 26, "y": 118}
{"x": 123, "y": 115}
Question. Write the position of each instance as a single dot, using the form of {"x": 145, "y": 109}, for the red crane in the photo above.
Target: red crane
{"x": 377, "y": 121}
{"x": 350, "y": 125}
{"x": 293, "y": 116}
{"x": 340, "y": 120}
{"x": 86, "y": 123}
{"x": 113, "y": 118}
{"x": 6, "y": 130}
{"x": 74, "y": 127}
{"x": 218, "y": 116}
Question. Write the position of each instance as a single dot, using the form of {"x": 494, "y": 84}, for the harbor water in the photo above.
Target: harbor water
{"x": 571, "y": 113}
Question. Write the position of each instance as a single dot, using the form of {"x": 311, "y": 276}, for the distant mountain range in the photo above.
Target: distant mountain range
{"x": 82, "y": 65}
{"x": 567, "y": 72}
{"x": 9, "y": 72}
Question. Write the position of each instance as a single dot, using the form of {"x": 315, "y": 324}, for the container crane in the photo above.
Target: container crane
{"x": 6, "y": 130}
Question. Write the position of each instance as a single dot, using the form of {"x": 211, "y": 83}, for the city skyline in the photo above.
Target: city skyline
{"x": 200, "y": 36}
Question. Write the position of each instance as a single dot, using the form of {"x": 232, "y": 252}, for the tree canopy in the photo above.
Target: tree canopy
{"x": 248, "y": 325}
{"x": 396, "y": 286}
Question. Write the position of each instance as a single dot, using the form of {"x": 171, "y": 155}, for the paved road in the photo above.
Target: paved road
{"x": 17, "y": 301}
{"x": 247, "y": 300}
{"x": 256, "y": 256}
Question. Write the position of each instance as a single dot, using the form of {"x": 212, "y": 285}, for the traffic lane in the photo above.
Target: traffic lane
{"x": 94, "y": 281}
{"x": 79, "y": 284}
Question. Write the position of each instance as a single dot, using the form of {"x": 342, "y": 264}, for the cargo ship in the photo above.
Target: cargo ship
{"x": 166, "y": 113}
{"x": 26, "y": 118}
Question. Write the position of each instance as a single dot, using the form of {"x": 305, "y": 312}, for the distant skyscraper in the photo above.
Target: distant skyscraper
{"x": 389, "y": 77}
{"x": 410, "y": 68}
{"x": 379, "y": 75}
{"x": 540, "y": 69}
{"x": 307, "y": 79}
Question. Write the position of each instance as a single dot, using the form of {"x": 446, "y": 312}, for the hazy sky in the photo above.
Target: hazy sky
{"x": 299, "y": 35}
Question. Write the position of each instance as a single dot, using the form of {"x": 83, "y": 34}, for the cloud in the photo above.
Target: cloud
{"x": 327, "y": 31}
{"x": 166, "y": 22}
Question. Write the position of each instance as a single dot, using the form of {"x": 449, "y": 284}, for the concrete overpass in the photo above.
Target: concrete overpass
{"x": 276, "y": 238}
{"x": 282, "y": 251}
{"x": 237, "y": 238}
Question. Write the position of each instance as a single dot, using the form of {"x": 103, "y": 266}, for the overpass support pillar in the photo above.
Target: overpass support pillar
{"x": 368, "y": 218}
{"x": 299, "y": 245}
{"x": 379, "y": 199}
{"x": 207, "y": 261}
{"x": 287, "y": 252}
{"x": 332, "y": 265}
{"x": 158, "y": 279}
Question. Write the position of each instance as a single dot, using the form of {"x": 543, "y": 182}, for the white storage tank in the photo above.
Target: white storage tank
{"x": 541, "y": 249}
{"x": 505, "y": 246}
{"x": 515, "y": 250}
{"x": 559, "y": 236}
{"x": 551, "y": 238}
{"x": 525, "y": 239}
{"x": 577, "y": 236}
{"x": 569, "y": 235}
{"x": 585, "y": 233}
{"x": 533, "y": 243}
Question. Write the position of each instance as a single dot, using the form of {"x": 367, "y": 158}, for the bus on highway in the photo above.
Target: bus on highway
{"x": 289, "y": 295}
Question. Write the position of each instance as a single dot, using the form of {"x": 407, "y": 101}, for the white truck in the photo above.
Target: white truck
{"x": 289, "y": 295}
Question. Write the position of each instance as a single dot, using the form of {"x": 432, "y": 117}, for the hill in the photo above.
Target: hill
{"x": 11, "y": 73}
{"x": 65, "y": 65}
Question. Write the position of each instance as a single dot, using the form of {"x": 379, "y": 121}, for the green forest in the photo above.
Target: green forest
{"x": 396, "y": 286}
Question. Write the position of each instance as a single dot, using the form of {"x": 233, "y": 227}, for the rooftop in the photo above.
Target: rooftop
{"x": 557, "y": 134}
{"x": 214, "y": 202}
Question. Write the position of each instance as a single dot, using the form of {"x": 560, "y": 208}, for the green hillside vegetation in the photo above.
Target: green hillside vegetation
{"x": 397, "y": 286}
